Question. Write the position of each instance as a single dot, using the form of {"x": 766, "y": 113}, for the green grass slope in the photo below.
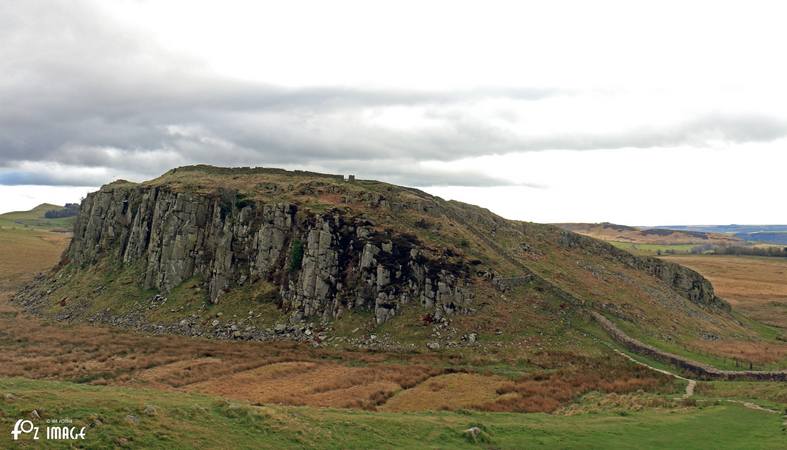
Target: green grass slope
{"x": 35, "y": 219}
{"x": 139, "y": 418}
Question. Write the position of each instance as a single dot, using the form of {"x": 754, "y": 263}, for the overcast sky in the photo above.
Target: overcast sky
{"x": 641, "y": 113}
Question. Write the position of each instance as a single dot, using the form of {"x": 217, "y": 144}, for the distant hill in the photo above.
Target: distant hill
{"x": 769, "y": 234}
{"x": 35, "y": 219}
{"x": 657, "y": 236}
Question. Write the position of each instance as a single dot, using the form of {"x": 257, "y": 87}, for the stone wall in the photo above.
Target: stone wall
{"x": 700, "y": 370}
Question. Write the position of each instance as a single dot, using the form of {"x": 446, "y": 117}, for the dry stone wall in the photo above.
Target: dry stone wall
{"x": 700, "y": 370}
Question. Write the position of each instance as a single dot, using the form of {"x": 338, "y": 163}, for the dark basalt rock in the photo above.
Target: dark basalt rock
{"x": 345, "y": 263}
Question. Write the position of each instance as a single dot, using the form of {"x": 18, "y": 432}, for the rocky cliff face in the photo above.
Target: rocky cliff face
{"x": 683, "y": 280}
{"x": 184, "y": 252}
{"x": 691, "y": 284}
{"x": 324, "y": 263}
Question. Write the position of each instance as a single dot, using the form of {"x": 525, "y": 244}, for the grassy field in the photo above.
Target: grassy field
{"x": 653, "y": 249}
{"x": 23, "y": 252}
{"x": 754, "y": 285}
{"x": 772, "y": 395}
{"x": 143, "y": 418}
{"x": 34, "y": 219}
{"x": 29, "y": 245}
{"x": 530, "y": 380}
{"x": 550, "y": 386}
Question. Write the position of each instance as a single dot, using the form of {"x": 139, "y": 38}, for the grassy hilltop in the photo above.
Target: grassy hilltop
{"x": 34, "y": 219}
{"x": 557, "y": 276}
{"x": 524, "y": 364}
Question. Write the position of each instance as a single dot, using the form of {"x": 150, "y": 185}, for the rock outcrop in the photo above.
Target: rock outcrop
{"x": 324, "y": 263}
{"x": 683, "y": 280}
{"x": 175, "y": 253}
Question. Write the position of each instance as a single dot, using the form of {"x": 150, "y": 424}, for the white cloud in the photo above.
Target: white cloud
{"x": 408, "y": 92}
{"x": 659, "y": 186}
{"x": 25, "y": 197}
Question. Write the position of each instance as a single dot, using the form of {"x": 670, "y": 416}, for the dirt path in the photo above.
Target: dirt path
{"x": 690, "y": 383}
{"x": 693, "y": 383}
{"x": 751, "y": 405}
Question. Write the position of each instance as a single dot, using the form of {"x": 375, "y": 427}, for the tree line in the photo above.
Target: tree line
{"x": 750, "y": 251}
{"x": 737, "y": 250}
{"x": 69, "y": 210}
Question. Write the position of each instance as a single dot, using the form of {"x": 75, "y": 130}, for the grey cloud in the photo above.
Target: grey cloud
{"x": 61, "y": 175}
{"x": 71, "y": 79}
{"x": 27, "y": 177}
{"x": 732, "y": 128}
{"x": 78, "y": 90}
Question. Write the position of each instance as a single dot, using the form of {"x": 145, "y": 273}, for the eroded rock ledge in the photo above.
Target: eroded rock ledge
{"x": 324, "y": 263}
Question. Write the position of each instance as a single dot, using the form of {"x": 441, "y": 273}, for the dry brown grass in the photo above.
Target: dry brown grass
{"x": 451, "y": 392}
{"x": 317, "y": 384}
{"x": 24, "y": 252}
{"x": 254, "y": 372}
{"x": 546, "y": 392}
{"x": 295, "y": 374}
{"x": 756, "y": 286}
{"x": 745, "y": 351}
{"x": 278, "y": 372}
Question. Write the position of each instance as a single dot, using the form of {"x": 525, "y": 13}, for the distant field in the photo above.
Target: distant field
{"x": 636, "y": 235}
{"x": 23, "y": 252}
{"x": 35, "y": 219}
{"x": 773, "y": 234}
{"x": 754, "y": 285}
{"x": 30, "y": 243}
{"x": 653, "y": 249}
